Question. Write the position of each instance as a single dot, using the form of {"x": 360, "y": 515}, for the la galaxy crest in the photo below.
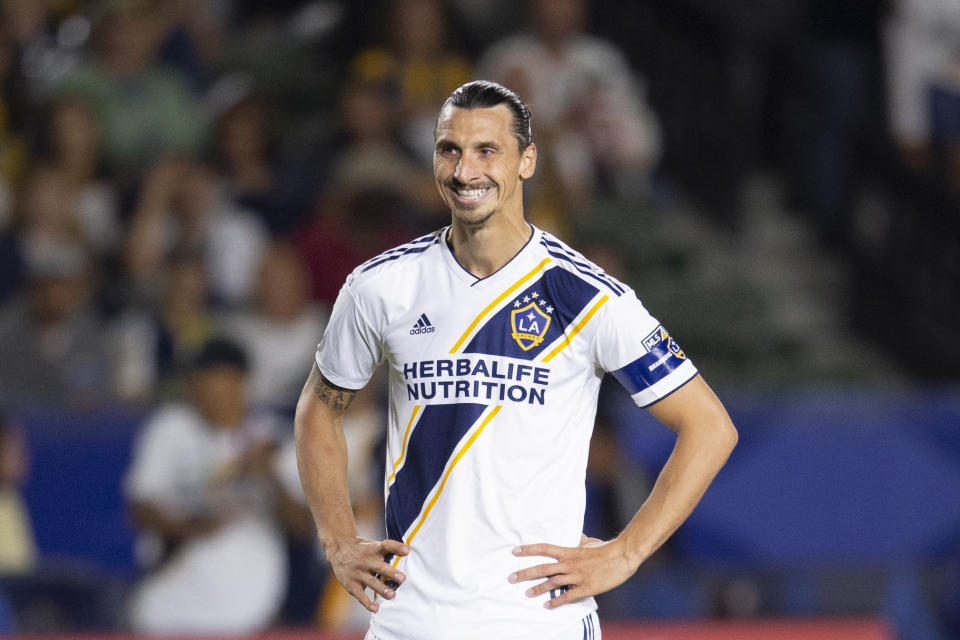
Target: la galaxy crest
{"x": 529, "y": 323}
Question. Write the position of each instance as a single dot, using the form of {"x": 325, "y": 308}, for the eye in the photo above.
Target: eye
{"x": 446, "y": 150}
{"x": 487, "y": 152}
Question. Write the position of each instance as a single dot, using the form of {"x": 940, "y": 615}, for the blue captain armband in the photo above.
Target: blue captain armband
{"x": 663, "y": 356}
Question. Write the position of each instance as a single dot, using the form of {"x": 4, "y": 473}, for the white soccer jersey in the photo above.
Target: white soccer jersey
{"x": 493, "y": 394}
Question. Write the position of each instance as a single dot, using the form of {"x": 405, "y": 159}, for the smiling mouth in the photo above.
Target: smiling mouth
{"x": 469, "y": 195}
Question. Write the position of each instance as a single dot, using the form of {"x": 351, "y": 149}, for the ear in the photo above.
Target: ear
{"x": 528, "y": 161}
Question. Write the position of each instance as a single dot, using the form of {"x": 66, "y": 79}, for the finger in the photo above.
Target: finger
{"x": 568, "y": 596}
{"x": 358, "y": 592}
{"x": 376, "y": 585}
{"x": 542, "y": 549}
{"x": 394, "y": 547}
{"x": 553, "y": 582}
{"x": 389, "y": 571}
{"x": 539, "y": 571}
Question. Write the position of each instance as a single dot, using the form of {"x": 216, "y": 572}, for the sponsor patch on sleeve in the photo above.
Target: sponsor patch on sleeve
{"x": 663, "y": 356}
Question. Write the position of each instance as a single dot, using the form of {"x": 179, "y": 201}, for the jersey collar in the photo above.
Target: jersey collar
{"x": 517, "y": 261}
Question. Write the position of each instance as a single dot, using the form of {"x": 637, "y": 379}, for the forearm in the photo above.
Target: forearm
{"x": 322, "y": 462}
{"x": 696, "y": 458}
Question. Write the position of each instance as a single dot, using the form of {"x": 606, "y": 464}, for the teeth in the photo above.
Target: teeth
{"x": 472, "y": 194}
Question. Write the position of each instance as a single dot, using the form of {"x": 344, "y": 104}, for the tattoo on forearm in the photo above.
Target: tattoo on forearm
{"x": 336, "y": 399}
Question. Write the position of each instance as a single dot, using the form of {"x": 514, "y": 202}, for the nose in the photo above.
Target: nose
{"x": 466, "y": 170}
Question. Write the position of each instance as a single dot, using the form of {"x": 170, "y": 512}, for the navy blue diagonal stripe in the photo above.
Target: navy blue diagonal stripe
{"x": 438, "y": 431}
{"x": 565, "y": 293}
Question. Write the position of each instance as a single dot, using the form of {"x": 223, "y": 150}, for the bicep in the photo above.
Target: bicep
{"x": 694, "y": 405}
{"x": 322, "y": 391}
{"x": 321, "y": 404}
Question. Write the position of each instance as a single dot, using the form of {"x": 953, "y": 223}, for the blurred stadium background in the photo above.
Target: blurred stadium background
{"x": 778, "y": 180}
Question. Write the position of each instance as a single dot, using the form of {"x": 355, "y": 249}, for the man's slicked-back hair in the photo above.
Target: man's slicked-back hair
{"x": 483, "y": 94}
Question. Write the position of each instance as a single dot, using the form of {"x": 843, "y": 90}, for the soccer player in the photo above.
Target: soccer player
{"x": 496, "y": 336}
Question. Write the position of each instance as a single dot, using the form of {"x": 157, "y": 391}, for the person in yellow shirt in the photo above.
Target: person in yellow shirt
{"x": 18, "y": 548}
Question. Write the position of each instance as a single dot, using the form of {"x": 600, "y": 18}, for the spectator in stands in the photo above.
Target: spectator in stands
{"x": 145, "y": 110}
{"x": 46, "y": 209}
{"x": 370, "y": 159}
{"x": 923, "y": 82}
{"x": 922, "y": 41}
{"x": 153, "y": 345}
{"x": 73, "y": 146}
{"x": 280, "y": 330}
{"x": 51, "y": 343}
{"x": 193, "y": 39}
{"x": 18, "y": 548}
{"x": 49, "y": 39}
{"x": 595, "y": 132}
{"x": 255, "y": 177}
{"x": 203, "y": 486}
{"x": 418, "y": 66}
{"x": 375, "y": 199}
{"x": 182, "y": 208}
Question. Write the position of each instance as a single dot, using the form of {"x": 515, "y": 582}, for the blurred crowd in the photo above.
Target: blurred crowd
{"x": 185, "y": 185}
{"x": 158, "y": 188}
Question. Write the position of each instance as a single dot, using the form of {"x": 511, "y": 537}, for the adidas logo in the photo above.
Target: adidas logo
{"x": 423, "y": 325}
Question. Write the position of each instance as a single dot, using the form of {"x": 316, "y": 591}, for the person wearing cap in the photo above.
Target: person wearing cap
{"x": 203, "y": 490}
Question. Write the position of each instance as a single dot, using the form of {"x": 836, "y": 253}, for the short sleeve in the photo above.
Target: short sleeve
{"x": 351, "y": 349}
{"x": 635, "y": 348}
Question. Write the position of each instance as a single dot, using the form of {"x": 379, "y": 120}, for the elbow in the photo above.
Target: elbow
{"x": 733, "y": 436}
{"x": 726, "y": 434}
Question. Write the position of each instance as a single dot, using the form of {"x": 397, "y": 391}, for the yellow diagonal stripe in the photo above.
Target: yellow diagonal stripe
{"x": 499, "y": 299}
{"x": 403, "y": 449}
{"x": 446, "y": 475}
{"x": 576, "y": 329}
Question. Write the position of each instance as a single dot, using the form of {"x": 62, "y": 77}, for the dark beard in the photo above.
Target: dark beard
{"x": 476, "y": 222}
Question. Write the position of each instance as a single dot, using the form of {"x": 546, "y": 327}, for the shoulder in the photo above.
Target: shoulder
{"x": 393, "y": 263}
{"x": 578, "y": 265}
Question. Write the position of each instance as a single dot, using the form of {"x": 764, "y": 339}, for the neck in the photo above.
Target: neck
{"x": 484, "y": 249}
